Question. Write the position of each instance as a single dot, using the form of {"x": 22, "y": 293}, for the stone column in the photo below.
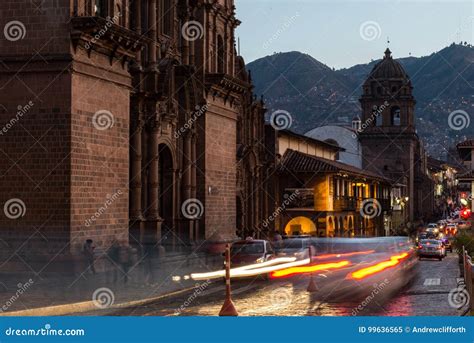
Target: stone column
{"x": 152, "y": 30}
{"x": 136, "y": 211}
{"x": 187, "y": 179}
{"x": 153, "y": 218}
{"x": 152, "y": 71}
{"x": 195, "y": 229}
{"x": 185, "y": 49}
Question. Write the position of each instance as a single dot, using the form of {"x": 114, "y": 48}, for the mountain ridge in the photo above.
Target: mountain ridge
{"x": 316, "y": 94}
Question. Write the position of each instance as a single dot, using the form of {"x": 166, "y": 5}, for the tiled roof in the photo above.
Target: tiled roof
{"x": 438, "y": 165}
{"x": 298, "y": 162}
{"x": 469, "y": 176}
{"x": 468, "y": 143}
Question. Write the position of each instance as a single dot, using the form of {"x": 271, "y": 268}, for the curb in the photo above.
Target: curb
{"x": 85, "y": 306}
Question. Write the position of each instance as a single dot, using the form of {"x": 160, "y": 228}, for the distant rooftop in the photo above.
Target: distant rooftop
{"x": 307, "y": 138}
{"x": 468, "y": 143}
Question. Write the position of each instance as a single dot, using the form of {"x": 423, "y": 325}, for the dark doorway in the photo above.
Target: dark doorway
{"x": 166, "y": 187}
{"x": 240, "y": 227}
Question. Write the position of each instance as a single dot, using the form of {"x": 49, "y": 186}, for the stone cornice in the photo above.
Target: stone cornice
{"x": 103, "y": 35}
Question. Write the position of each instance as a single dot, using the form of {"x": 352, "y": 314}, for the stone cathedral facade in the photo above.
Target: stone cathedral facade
{"x": 141, "y": 126}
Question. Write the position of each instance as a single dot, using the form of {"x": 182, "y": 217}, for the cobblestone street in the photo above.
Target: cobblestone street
{"x": 426, "y": 295}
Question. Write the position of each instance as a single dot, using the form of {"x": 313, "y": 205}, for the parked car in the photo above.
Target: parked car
{"x": 297, "y": 247}
{"x": 431, "y": 248}
{"x": 250, "y": 251}
{"x": 463, "y": 225}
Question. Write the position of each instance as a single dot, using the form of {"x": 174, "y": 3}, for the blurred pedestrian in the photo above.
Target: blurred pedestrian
{"x": 148, "y": 246}
{"x": 124, "y": 260}
{"x": 88, "y": 250}
{"x": 113, "y": 254}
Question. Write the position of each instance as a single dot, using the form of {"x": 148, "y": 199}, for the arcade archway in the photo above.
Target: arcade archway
{"x": 300, "y": 226}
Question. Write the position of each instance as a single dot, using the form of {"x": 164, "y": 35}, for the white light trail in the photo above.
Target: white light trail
{"x": 253, "y": 269}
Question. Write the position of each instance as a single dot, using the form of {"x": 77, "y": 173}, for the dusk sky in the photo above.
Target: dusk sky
{"x": 344, "y": 33}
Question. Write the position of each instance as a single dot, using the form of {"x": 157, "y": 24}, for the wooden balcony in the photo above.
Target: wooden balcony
{"x": 299, "y": 198}
{"x": 345, "y": 204}
{"x": 355, "y": 204}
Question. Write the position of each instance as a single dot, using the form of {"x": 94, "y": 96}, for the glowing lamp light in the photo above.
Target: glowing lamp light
{"x": 466, "y": 213}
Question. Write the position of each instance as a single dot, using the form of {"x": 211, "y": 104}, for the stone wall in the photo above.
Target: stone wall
{"x": 100, "y": 151}
{"x": 218, "y": 162}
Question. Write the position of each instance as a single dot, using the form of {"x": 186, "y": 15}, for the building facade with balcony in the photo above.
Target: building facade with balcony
{"x": 319, "y": 196}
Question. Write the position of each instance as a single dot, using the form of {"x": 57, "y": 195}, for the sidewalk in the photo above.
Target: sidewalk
{"x": 18, "y": 293}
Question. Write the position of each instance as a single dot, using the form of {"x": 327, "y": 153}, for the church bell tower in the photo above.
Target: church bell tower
{"x": 388, "y": 137}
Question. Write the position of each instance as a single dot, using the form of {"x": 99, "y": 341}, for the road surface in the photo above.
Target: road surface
{"x": 427, "y": 294}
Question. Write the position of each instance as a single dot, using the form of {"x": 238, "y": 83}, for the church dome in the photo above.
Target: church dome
{"x": 388, "y": 68}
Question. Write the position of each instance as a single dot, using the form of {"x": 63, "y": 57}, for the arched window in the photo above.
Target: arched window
{"x": 221, "y": 62}
{"x": 395, "y": 116}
